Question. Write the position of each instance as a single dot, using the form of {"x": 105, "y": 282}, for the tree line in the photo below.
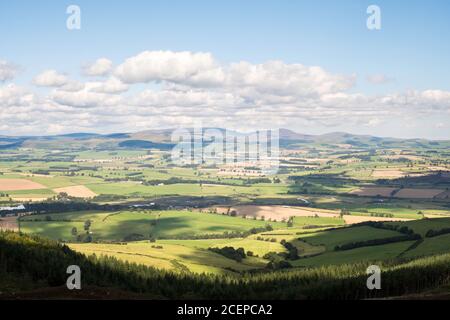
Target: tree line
{"x": 43, "y": 263}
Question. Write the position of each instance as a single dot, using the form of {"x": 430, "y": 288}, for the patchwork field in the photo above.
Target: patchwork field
{"x": 138, "y": 206}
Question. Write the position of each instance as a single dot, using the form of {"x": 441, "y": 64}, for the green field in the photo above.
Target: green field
{"x": 368, "y": 254}
{"x": 422, "y": 226}
{"x": 429, "y": 246}
{"x": 331, "y": 239}
{"x": 156, "y": 224}
{"x": 174, "y": 257}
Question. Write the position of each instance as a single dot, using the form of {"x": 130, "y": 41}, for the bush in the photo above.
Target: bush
{"x": 133, "y": 237}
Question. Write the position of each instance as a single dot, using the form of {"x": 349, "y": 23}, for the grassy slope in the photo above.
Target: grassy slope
{"x": 382, "y": 252}
{"x": 435, "y": 245}
{"x": 169, "y": 224}
{"x": 170, "y": 256}
{"x": 422, "y": 226}
{"x": 258, "y": 247}
{"x": 330, "y": 239}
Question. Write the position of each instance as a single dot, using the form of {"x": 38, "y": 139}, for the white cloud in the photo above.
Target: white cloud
{"x": 171, "y": 66}
{"x": 84, "y": 99}
{"x": 378, "y": 79}
{"x": 200, "y": 70}
{"x": 13, "y": 95}
{"x": 101, "y": 67}
{"x": 279, "y": 78}
{"x": 112, "y": 85}
{"x": 8, "y": 70}
{"x": 50, "y": 78}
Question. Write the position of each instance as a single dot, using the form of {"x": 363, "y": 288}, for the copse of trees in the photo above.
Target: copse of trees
{"x": 292, "y": 253}
{"x": 434, "y": 233}
{"x": 230, "y": 253}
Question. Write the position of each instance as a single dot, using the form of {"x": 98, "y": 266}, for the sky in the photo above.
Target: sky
{"x": 310, "y": 66}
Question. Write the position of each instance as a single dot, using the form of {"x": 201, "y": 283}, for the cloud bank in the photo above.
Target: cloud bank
{"x": 160, "y": 89}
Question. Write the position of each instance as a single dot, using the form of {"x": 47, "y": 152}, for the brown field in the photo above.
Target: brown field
{"x": 9, "y": 223}
{"x": 374, "y": 191}
{"x": 278, "y": 213}
{"x": 443, "y": 195}
{"x": 418, "y": 193}
{"x": 19, "y": 184}
{"x": 76, "y": 191}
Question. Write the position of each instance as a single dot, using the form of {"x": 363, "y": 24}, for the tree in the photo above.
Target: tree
{"x": 290, "y": 222}
{"x": 74, "y": 231}
{"x": 87, "y": 225}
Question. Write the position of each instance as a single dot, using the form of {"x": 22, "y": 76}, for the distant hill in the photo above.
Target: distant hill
{"x": 161, "y": 139}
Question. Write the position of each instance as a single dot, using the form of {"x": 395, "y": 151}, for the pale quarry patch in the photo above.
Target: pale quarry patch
{"x": 28, "y": 199}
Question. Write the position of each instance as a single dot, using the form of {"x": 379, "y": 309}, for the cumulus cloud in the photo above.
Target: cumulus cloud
{"x": 171, "y": 66}
{"x": 50, "y": 78}
{"x": 13, "y": 95}
{"x": 157, "y": 89}
{"x": 84, "y": 99}
{"x": 8, "y": 70}
{"x": 200, "y": 70}
{"x": 112, "y": 85}
{"x": 283, "y": 79}
{"x": 100, "y": 67}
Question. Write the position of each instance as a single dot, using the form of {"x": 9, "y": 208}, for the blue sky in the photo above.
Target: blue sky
{"x": 411, "y": 50}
